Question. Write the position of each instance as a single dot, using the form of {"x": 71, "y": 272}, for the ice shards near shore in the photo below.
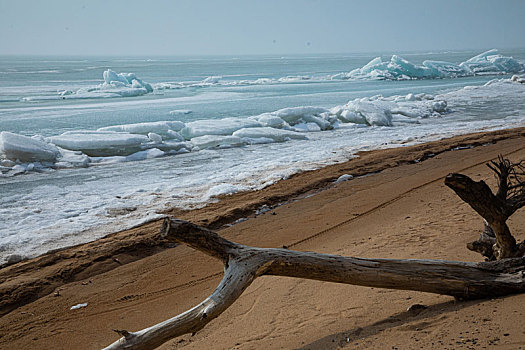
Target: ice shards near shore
{"x": 222, "y": 127}
{"x": 100, "y": 143}
{"x": 303, "y": 118}
{"x": 268, "y": 135}
{"x": 21, "y": 148}
{"x": 131, "y": 142}
{"x": 398, "y": 68}
{"x": 216, "y": 141}
{"x": 164, "y": 128}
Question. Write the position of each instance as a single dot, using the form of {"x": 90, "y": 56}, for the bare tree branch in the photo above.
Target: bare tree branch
{"x": 494, "y": 208}
{"x": 243, "y": 264}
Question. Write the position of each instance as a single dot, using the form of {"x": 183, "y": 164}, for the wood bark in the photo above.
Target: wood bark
{"x": 243, "y": 264}
{"x": 495, "y": 209}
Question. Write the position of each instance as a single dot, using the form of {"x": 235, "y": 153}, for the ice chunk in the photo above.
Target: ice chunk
{"x": 114, "y": 85}
{"x": 321, "y": 123}
{"x": 125, "y": 79}
{"x": 71, "y": 159}
{"x": 257, "y": 141}
{"x": 343, "y": 178}
{"x": 212, "y": 141}
{"x": 175, "y": 135}
{"x": 306, "y": 127}
{"x": 374, "y": 64}
{"x": 212, "y": 80}
{"x": 162, "y": 127}
{"x": 337, "y": 110}
{"x": 442, "y": 69}
{"x": 173, "y": 146}
{"x": 277, "y": 135}
{"x": 439, "y": 106}
{"x": 293, "y": 115}
{"x": 348, "y": 116}
{"x": 155, "y": 137}
{"x": 398, "y": 68}
{"x": 410, "y": 97}
{"x": 111, "y": 77}
{"x": 273, "y": 121}
{"x": 147, "y": 154}
{"x": 216, "y": 127}
{"x": 491, "y": 62}
{"x": 100, "y": 143}
{"x": 26, "y": 149}
{"x": 78, "y": 306}
{"x": 373, "y": 112}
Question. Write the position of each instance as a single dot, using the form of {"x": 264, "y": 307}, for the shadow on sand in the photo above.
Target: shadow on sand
{"x": 352, "y": 336}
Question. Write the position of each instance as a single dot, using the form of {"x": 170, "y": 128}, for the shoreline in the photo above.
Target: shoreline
{"x": 93, "y": 207}
{"x": 132, "y": 279}
{"x": 86, "y": 260}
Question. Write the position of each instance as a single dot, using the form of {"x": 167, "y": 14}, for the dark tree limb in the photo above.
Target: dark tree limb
{"x": 243, "y": 264}
{"x": 494, "y": 208}
{"x": 491, "y": 208}
{"x": 485, "y": 243}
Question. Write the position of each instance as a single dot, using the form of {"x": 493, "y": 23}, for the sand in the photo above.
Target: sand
{"x": 395, "y": 206}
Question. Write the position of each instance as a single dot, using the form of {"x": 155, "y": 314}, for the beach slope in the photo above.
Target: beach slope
{"x": 394, "y": 206}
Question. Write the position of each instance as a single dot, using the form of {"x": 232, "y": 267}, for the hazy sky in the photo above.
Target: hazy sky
{"x": 172, "y": 27}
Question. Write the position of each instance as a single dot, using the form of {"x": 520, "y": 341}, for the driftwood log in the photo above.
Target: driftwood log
{"x": 243, "y": 264}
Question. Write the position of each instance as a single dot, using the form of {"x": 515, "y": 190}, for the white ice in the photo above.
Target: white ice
{"x": 100, "y": 143}
{"x": 277, "y": 135}
{"x": 162, "y": 128}
{"x": 26, "y": 149}
{"x": 114, "y": 85}
{"x": 214, "y": 141}
{"x": 224, "y": 126}
{"x": 398, "y": 68}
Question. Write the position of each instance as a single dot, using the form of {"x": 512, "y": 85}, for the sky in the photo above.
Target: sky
{"x": 237, "y": 27}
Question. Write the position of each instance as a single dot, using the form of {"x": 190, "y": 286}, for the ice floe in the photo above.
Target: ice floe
{"x": 224, "y": 126}
{"x": 266, "y": 133}
{"x": 214, "y": 141}
{"x": 132, "y": 142}
{"x": 21, "y": 148}
{"x": 116, "y": 84}
{"x": 162, "y": 128}
{"x": 100, "y": 143}
{"x": 398, "y": 68}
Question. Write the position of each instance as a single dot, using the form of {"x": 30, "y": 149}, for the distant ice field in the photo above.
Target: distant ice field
{"x": 86, "y": 142}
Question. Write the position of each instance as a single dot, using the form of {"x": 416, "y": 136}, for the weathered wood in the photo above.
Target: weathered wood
{"x": 243, "y": 264}
{"x": 492, "y": 208}
{"x": 485, "y": 243}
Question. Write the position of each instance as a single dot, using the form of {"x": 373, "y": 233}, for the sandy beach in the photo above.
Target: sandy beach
{"x": 394, "y": 206}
